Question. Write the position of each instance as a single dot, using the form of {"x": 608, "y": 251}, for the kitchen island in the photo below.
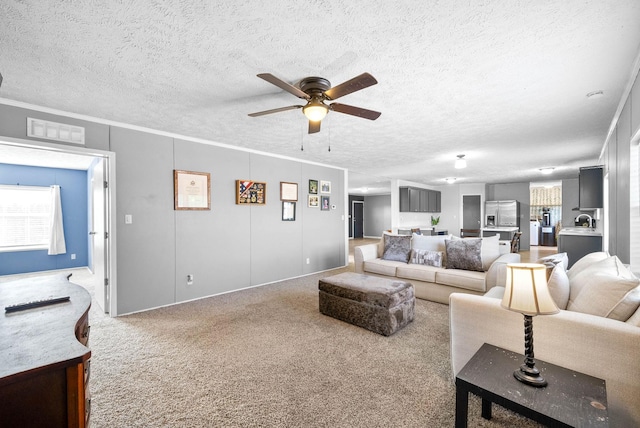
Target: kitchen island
{"x": 578, "y": 242}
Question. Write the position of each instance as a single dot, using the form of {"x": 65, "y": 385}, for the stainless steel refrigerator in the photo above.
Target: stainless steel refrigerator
{"x": 502, "y": 213}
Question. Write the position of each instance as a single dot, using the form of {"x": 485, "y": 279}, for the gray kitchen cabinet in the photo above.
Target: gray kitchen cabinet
{"x": 578, "y": 246}
{"x": 413, "y": 199}
{"x": 591, "y": 181}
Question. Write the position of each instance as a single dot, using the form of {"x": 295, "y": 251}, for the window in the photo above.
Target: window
{"x": 24, "y": 217}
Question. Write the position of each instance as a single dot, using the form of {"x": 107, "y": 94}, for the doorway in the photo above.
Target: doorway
{"x": 100, "y": 165}
{"x": 357, "y": 215}
{"x": 471, "y": 212}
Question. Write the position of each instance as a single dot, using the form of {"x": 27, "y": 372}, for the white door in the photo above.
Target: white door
{"x": 97, "y": 233}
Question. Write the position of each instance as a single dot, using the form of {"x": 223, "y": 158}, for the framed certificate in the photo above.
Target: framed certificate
{"x": 191, "y": 190}
{"x": 288, "y": 191}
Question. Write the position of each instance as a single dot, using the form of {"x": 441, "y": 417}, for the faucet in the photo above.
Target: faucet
{"x": 587, "y": 216}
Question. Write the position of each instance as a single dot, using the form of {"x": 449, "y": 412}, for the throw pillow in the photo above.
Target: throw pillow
{"x": 426, "y": 257}
{"x": 489, "y": 251}
{"x": 397, "y": 248}
{"x": 554, "y": 259}
{"x": 585, "y": 262}
{"x": 608, "y": 296}
{"x": 464, "y": 254}
{"x": 559, "y": 288}
{"x": 611, "y": 266}
{"x": 430, "y": 243}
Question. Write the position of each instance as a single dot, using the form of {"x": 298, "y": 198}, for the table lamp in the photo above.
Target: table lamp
{"x": 526, "y": 292}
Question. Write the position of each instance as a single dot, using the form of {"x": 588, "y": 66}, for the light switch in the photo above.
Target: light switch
{"x": 128, "y": 219}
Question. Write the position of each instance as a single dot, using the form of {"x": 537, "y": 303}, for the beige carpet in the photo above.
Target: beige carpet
{"x": 265, "y": 357}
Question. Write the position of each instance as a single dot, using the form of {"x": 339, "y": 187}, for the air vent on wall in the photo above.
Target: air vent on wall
{"x": 55, "y": 131}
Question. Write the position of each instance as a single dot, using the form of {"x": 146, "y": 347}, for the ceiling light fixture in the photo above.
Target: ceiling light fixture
{"x": 461, "y": 162}
{"x": 315, "y": 110}
{"x": 546, "y": 171}
{"x": 450, "y": 180}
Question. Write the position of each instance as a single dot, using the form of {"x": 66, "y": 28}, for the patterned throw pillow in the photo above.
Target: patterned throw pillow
{"x": 397, "y": 248}
{"x": 427, "y": 257}
{"x": 464, "y": 254}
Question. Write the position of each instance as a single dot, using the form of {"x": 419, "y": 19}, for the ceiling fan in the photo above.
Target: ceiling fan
{"x": 317, "y": 90}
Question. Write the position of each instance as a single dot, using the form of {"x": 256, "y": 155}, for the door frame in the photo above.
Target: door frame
{"x": 110, "y": 202}
{"x": 353, "y": 220}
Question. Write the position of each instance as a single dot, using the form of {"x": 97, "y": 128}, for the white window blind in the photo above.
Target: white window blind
{"x": 24, "y": 217}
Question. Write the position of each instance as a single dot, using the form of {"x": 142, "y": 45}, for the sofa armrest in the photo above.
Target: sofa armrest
{"x": 363, "y": 253}
{"x": 497, "y": 273}
{"x": 601, "y": 347}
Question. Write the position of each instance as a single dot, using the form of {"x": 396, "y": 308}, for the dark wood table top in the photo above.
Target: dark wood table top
{"x": 40, "y": 337}
{"x": 571, "y": 398}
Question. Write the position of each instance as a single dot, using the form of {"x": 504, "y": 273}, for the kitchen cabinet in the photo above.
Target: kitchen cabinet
{"x": 578, "y": 245}
{"x": 413, "y": 199}
{"x": 590, "y": 188}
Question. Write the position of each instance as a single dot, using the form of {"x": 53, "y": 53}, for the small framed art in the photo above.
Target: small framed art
{"x": 324, "y": 203}
{"x": 288, "y": 191}
{"x": 313, "y": 201}
{"x": 251, "y": 192}
{"x": 191, "y": 190}
{"x": 325, "y": 187}
{"x": 288, "y": 211}
{"x": 313, "y": 187}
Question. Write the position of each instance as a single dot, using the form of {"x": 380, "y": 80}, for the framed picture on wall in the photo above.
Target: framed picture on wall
{"x": 288, "y": 191}
{"x": 313, "y": 201}
{"x": 324, "y": 203}
{"x": 191, "y": 190}
{"x": 313, "y": 187}
{"x": 251, "y": 192}
{"x": 288, "y": 211}
{"x": 325, "y": 187}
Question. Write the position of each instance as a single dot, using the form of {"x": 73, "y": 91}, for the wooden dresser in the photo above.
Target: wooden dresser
{"x": 44, "y": 359}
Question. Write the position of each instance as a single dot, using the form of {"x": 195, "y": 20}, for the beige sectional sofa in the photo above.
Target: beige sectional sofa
{"x": 432, "y": 282}
{"x": 596, "y": 332}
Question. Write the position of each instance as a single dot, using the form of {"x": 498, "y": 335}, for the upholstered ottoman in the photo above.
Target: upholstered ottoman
{"x": 378, "y": 304}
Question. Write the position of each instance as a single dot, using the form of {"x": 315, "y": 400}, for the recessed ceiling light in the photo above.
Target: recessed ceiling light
{"x": 595, "y": 94}
{"x": 450, "y": 180}
{"x": 546, "y": 171}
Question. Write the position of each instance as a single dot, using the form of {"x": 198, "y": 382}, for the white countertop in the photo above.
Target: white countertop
{"x": 501, "y": 229}
{"x": 580, "y": 231}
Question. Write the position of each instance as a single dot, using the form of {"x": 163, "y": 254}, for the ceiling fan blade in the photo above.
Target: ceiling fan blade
{"x": 355, "y": 111}
{"x": 283, "y": 85}
{"x": 359, "y": 82}
{"x": 314, "y": 126}
{"x": 275, "y": 110}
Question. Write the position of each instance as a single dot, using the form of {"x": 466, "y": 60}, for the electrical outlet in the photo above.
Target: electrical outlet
{"x": 73, "y": 256}
{"x": 307, "y": 260}
{"x": 189, "y": 279}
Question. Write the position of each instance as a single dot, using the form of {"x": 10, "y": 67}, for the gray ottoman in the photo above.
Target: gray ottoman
{"x": 378, "y": 304}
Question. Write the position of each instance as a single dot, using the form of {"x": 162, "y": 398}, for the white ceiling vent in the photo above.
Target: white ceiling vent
{"x": 55, "y": 131}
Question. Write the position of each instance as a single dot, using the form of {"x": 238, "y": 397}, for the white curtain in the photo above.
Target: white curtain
{"x": 56, "y": 240}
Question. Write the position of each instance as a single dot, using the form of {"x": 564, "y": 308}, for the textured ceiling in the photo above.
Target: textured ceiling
{"x": 503, "y": 82}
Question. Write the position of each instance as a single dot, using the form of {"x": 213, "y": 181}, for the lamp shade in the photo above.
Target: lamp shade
{"x": 526, "y": 290}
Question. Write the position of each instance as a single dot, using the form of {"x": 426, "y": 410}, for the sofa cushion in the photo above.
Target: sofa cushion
{"x": 552, "y": 260}
{"x": 382, "y": 267}
{"x": 489, "y": 251}
{"x": 607, "y": 289}
{"x": 635, "y": 318}
{"x": 469, "y": 280}
{"x": 397, "y": 248}
{"x": 585, "y": 262}
{"x": 426, "y": 257}
{"x": 464, "y": 254}
{"x": 609, "y": 265}
{"x": 559, "y": 286}
{"x": 418, "y": 272}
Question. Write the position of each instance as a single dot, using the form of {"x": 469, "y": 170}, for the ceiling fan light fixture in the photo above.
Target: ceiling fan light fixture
{"x": 315, "y": 110}
{"x": 461, "y": 162}
{"x": 546, "y": 171}
{"x": 450, "y": 180}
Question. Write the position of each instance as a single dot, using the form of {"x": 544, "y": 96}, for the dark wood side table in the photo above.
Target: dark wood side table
{"x": 571, "y": 399}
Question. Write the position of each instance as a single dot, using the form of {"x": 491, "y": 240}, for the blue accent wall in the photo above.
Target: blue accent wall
{"x": 73, "y": 194}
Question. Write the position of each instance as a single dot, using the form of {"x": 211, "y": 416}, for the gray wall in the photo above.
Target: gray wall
{"x": 377, "y": 215}
{"x": 521, "y": 193}
{"x": 227, "y": 248}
